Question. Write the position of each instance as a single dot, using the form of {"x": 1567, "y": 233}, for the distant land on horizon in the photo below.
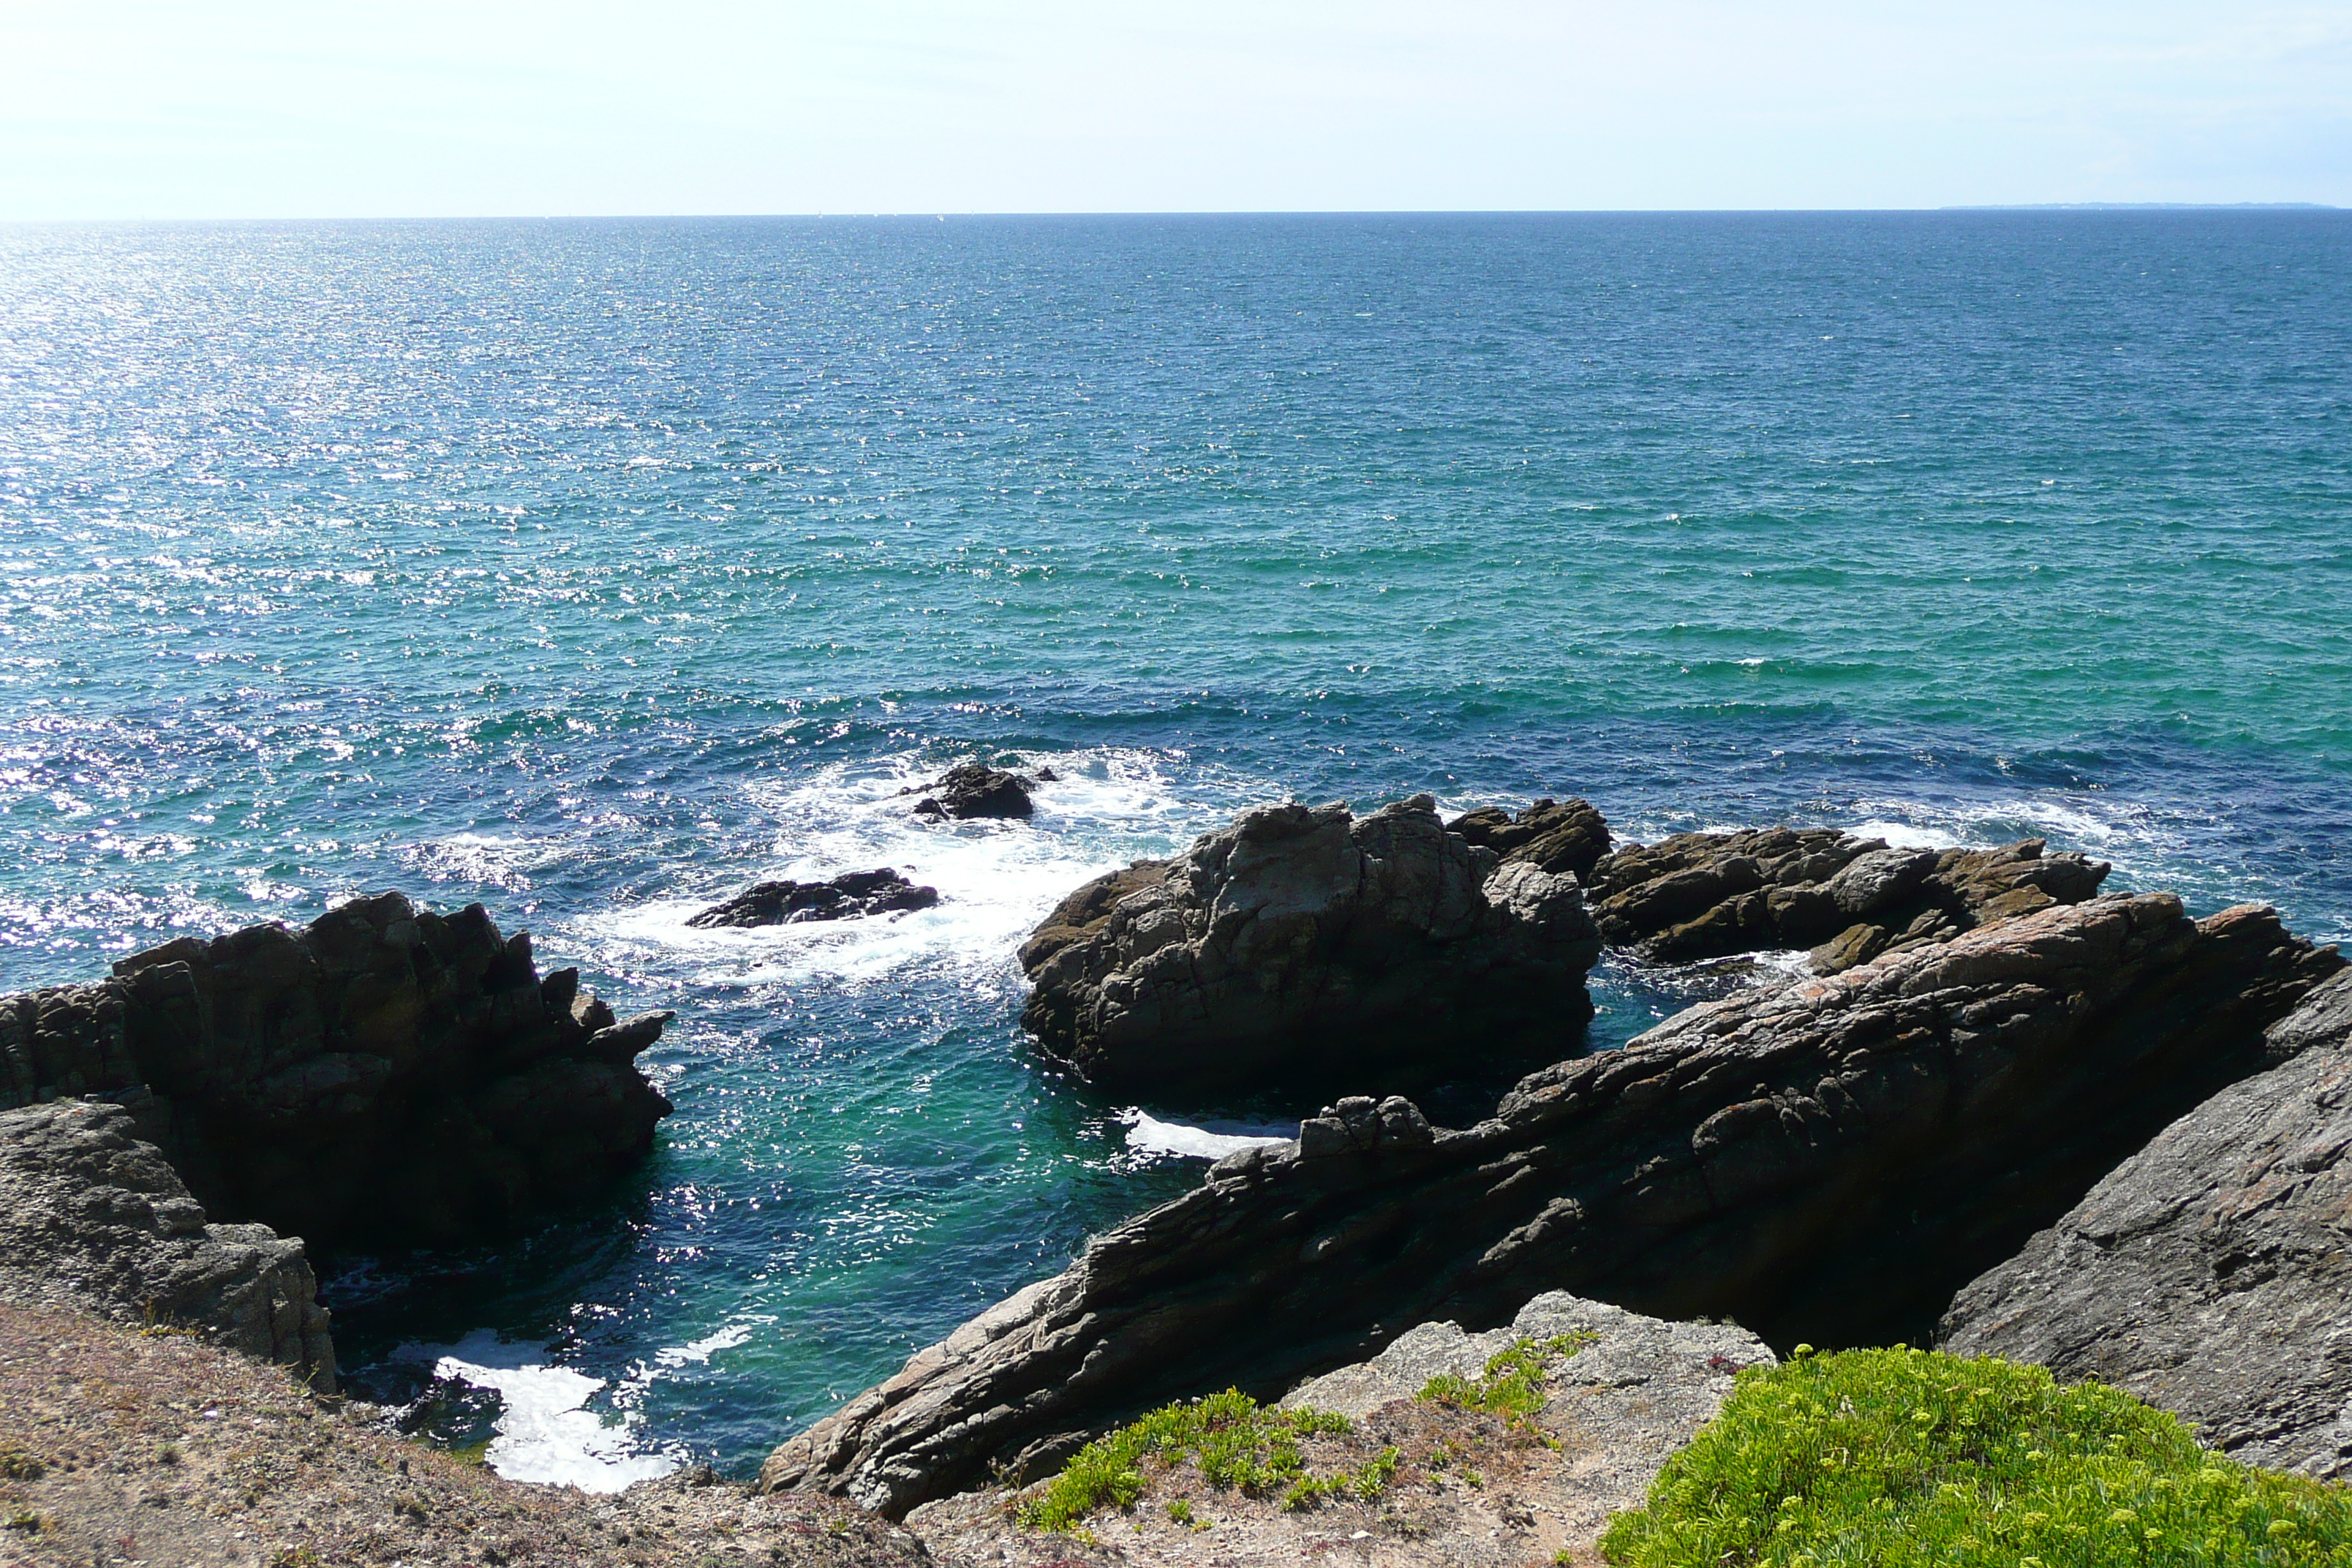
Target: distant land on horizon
{"x": 2139, "y": 206}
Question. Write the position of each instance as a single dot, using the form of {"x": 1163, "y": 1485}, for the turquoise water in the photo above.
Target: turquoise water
{"x": 594, "y": 570}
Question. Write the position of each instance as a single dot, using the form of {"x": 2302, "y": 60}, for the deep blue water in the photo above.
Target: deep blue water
{"x": 592, "y": 570}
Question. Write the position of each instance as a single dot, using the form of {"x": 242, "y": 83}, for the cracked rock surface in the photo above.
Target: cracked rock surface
{"x": 1827, "y": 1160}
{"x": 1306, "y": 944}
{"x": 2211, "y": 1272}
{"x": 93, "y": 1217}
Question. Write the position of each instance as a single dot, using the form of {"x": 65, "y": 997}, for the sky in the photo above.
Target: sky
{"x": 235, "y": 109}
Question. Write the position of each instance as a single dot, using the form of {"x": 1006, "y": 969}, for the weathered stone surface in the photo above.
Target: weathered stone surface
{"x": 2210, "y": 1273}
{"x": 91, "y": 1216}
{"x": 1566, "y": 838}
{"x": 385, "y": 1074}
{"x": 850, "y": 896}
{"x": 1467, "y": 1492}
{"x": 975, "y": 789}
{"x": 1828, "y": 1161}
{"x": 1708, "y": 895}
{"x": 1307, "y": 944}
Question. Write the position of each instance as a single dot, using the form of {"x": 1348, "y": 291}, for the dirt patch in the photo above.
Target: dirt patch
{"x": 120, "y": 1448}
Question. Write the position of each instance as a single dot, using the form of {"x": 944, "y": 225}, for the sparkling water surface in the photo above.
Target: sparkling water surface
{"x": 594, "y": 570}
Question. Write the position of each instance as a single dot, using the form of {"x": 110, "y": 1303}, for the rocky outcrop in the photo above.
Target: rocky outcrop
{"x": 384, "y": 1075}
{"x": 974, "y": 789}
{"x": 850, "y": 896}
{"x": 1567, "y": 839}
{"x": 1309, "y": 946}
{"x": 1828, "y": 1159}
{"x": 2208, "y": 1273}
{"x": 1708, "y": 895}
{"x": 93, "y": 1217}
{"x": 1621, "y": 1393}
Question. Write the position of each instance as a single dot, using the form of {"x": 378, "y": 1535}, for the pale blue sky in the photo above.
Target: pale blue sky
{"x": 311, "y": 107}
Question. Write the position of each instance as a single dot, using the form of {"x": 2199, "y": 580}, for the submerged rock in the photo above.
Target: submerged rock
{"x": 974, "y": 789}
{"x": 93, "y": 1216}
{"x": 2207, "y": 1274}
{"x": 1564, "y": 839}
{"x": 849, "y": 896}
{"x": 1707, "y": 895}
{"x": 384, "y": 1075}
{"x": 1828, "y": 1159}
{"x": 1310, "y": 944}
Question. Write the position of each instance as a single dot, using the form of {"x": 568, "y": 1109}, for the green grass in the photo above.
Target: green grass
{"x": 1236, "y": 1444}
{"x": 1512, "y": 1386}
{"x": 1899, "y": 1458}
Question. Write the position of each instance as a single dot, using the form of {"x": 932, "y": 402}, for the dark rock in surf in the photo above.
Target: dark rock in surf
{"x": 2207, "y": 1274}
{"x": 850, "y": 896}
{"x": 1828, "y": 1159}
{"x": 1708, "y": 895}
{"x": 384, "y": 1075}
{"x": 1309, "y": 946}
{"x": 94, "y": 1218}
{"x": 974, "y": 789}
{"x": 1565, "y": 838}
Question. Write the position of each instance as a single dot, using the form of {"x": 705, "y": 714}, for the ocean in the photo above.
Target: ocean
{"x": 595, "y": 570}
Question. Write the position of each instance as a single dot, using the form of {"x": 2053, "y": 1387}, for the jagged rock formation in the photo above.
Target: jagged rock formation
{"x": 1707, "y": 895}
{"x": 1308, "y": 944}
{"x": 975, "y": 789}
{"x": 850, "y": 896}
{"x": 2208, "y": 1273}
{"x": 1828, "y": 1159}
{"x": 384, "y": 1075}
{"x": 1565, "y": 839}
{"x": 92, "y": 1217}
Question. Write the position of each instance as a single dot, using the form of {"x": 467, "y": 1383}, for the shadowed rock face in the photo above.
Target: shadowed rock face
{"x": 1708, "y": 895}
{"x": 850, "y": 896}
{"x": 91, "y": 1216}
{"x": 2208, "y": 1273}
{"x": 1828, "y": 1159}
{"x": 1566, "y": 839}
{"x": 1309, "y": 945}
{"x": 384, "y": 1075}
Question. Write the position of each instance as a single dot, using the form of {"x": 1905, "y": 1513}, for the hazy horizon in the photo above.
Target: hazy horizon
{"x": 136, "y": 109}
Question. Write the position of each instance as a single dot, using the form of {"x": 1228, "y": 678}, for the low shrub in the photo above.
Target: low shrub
{"x": 1899, "y": 1458}
{"x": 1513, "y": 1385}
{"x": 1237, "y": 1444}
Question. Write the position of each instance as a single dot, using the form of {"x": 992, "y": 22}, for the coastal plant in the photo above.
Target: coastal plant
{"x": 1901, "y": 1458}
{"x": 1512, "y": 1386}
{"x": 1236, "y": 1444}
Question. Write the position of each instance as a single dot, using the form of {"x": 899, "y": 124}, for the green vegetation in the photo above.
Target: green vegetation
{"x": 1512, "y": 1386}
{"x": 1898, "y": 1459}
{"x": 1236, "y": 1444}
{"x": 17, "y": 1465}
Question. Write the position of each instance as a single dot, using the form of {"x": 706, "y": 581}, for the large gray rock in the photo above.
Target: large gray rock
{"x": 2211, "y": 1272}
{"x": 1306, "y": 944}
{"x": 1826, "y": 1161}
{"x": 384, "y": 1075}
{"x": 1564, "y": 838}
{"x": 1708, "y": 895}
{"x": 93, "y": 1216}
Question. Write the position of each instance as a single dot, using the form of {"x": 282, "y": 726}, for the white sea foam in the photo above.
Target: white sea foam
{"x": 699, "y": 1351}
{"x": 1146, "y": 1134}
{"x": 546, "y": 1433}
{"x": 996, "y": 878}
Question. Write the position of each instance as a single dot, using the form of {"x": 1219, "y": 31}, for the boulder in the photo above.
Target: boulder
{"x": 385, "y": 1074}
{"x": 93, "y": 1217}
{"x": 2208, "y": 1273}
{"x": 1827, "y": 1160}
{"x": 975, "y": 789}
{"x": 1709, "y": 895}
{"x": 850, "y": 896}
{"x": 1564, "y": 839}
{"x": 1309, "y": 945}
